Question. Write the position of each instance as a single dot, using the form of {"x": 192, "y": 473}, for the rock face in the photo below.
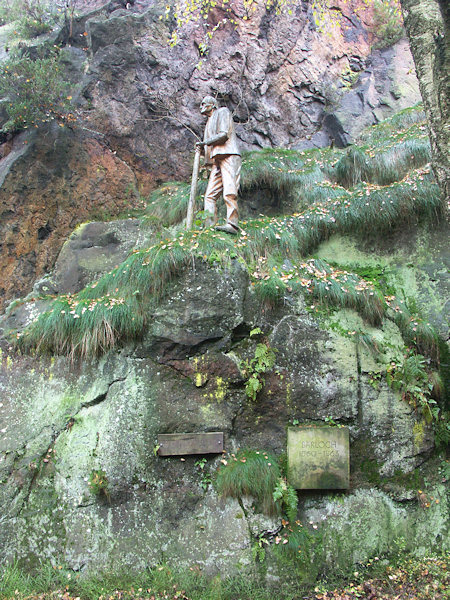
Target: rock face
{"x": 64, "y": 422}
{"x": 52, "y": 181}
{"x": 66, "y": 426}
{"x": 137, "y": 111}
{"x": 278, "y": 73}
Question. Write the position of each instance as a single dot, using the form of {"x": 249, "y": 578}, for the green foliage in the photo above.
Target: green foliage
{"x": 85, "y": 326}
{"x": 31, "y": 17}
{"x": 258, "y": 548}
{"x": 287, "y": 496}
{"x": 384, "y": 166}
{"x": 387, "y": 25}
{"x": 352, "y": 168}
{"x": 255, "y": 368}
{"x": 415, "y": 383}
{"x": 258, "y": 474}
{"x": 416, "y": 332}
{"x": 326, "y": 285}
{"x": 393, "y": 164}
{"x": 406, "y": 124}
{"x": 206, "y": 478}
{"x": 250, "y": 473}
{"x": 349, "y": 78}
{"x": 169, "y": 202}
{"x": 281, "y": 171}
{"x": 98, "y": 483}
{"x": 35, "y": 90}
{"x": 297, "y": 542}
{"x": 397, "y": 576}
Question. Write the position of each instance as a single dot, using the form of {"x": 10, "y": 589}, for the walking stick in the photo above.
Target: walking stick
{"x": 190, "y": 211}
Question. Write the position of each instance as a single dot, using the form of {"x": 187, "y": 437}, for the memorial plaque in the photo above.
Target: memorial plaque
{"x": 318, "y": 458}
{"x": 176, "y": 444}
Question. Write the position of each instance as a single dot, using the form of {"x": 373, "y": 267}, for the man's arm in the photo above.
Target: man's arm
{"x": 220, "y": 138}
{"x": 223, "y": 126}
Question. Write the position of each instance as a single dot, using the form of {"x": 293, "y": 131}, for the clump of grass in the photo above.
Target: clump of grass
{"x": 415, "y": 330}
{"x": 190, "y": 584}
{"x": 383, "y": 168}
{"x": 98, "y": 483}
{"x": 393, "y": 164}
{"x": 410, "y": 119}
{"x": 169, "y": 202}
{"x": 277, "y": 169}
{"x": 77, "y": 326}
{"x": 297, "y": 542}
{"x": 250, "y": 473}
{"x": 352, "y": 168}
{"x": 322, "y": 283}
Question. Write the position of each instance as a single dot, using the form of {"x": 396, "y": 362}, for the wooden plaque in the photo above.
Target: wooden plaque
{"x": 176, "y": 444}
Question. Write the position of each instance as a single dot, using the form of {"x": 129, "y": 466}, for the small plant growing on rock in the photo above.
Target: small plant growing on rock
{"x": 35, "y": 90}
{"x": 387, "y": 23}
{"x": 98, "y": 483}
{"x": 258, "y": 474}
{"x": 287, "y": 496}
{"x": 415, "y": 383}
{"x": 255, "y": 368}
{"x": 206, "y": 478}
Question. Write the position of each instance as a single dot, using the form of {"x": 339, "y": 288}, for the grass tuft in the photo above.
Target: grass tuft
{"x": 250, "y": 473}
{"x": 169, "y": 202}
{"x": 352, "y": 168}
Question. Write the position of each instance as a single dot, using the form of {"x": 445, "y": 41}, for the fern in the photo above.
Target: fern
{"x": 254, "y": 369}
{"x": 415, "y": 383}
{"x": 287, "y": 496}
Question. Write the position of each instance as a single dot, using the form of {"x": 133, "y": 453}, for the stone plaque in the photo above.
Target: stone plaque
{"x": 318, "y": 458}
{"x": 176, "y": 444}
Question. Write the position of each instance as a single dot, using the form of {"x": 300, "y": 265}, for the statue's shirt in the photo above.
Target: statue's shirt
{"x": 220, "y": 121}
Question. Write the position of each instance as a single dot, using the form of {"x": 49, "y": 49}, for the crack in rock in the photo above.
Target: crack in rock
{"x": 55, "y": 435}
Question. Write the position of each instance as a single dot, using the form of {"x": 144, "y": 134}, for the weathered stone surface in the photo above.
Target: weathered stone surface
{"x": 279, "y": 87}
{"x": 368, "y": 523}
{"x": 384, "y": 85}
{"x": 154, "y": 505}
{"x": 93, "y": 249}
{"x": 413, "y": 259}
{"x": 203, "y": 310}
{"x": 62, "y": 421}
{"x": 50, "y": 183}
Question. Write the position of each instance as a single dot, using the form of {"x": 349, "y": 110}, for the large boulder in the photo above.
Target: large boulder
{"x": 66, "y": 424}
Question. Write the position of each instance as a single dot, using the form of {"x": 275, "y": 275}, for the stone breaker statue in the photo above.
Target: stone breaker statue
{"x": 222, "y": 154}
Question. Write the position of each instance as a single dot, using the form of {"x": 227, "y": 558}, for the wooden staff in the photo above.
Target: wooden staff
{"x": 190, "y": 211}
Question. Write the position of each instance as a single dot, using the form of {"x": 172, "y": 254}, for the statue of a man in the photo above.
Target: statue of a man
{"x": 222, "y": 154}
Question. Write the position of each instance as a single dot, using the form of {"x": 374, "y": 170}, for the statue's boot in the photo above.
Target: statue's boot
{"x": 228, "y": 228}
{"x": 232, "y": 214}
